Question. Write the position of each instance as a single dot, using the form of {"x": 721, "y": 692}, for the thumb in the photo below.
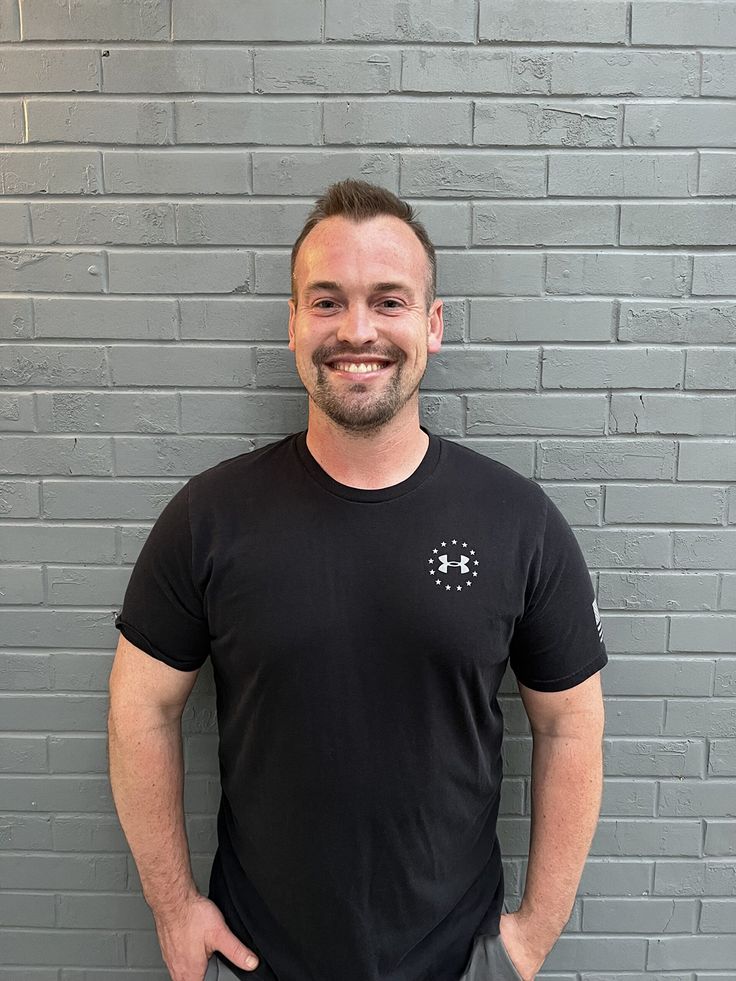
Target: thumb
{"x": 236, "y": 951}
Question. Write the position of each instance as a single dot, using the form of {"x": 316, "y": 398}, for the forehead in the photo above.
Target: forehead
{"x": 380, "y": 248}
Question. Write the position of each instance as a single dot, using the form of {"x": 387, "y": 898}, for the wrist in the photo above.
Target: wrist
{"x": 174, "y": 906}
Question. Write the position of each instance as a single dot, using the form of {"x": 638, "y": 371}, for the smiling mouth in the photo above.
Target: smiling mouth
{"x": 361, "y": 368}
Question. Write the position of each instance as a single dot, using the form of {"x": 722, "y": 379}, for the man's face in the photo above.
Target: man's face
{"x": 361, "y": 332}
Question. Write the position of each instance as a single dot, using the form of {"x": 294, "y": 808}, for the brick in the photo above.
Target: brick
{"x": 326, "y": 69}
{"x": 627, "y": 715}
{"x": 516, "y": 454}
{"x": 127, "y": 974}
{"x": 23, "y": 754}
{"x": 39, "y": 171}
{"x": 606, "y": 459}
{"x": 171, "y": 456}
{"x": 717, "y": 172}
{"x": 67, "y": 223}
{"x": 181, "y": 365}
{"x": 496, "y": 175}
{"x": 63, "y": 871}
{"x": 24, "y": 671}
{"x": 473, "y": 274}
{"x": 9, "y": 31}
{"x": 696, "y": 716}
{"x": 84, "y": 670}
{"x": 441, "y": 122}
{"x": 714, "y": 876}
{"x": 11, "y": 121}
{"x": 607, "y": 547}
{"x": 716, "y": 915}
{"x": 49, "y": 364}
{"x": 309, "y": 172}
{"x": 638, "y": 873}
{"x": 233, "y": 318}
{"x": 692, "y": 952}
{"x": 622, "y": 175}
{"x": 483, "y": 70}
{"x": 553, "y": 20}
{"x": 182, "y": 68}
{"x": 643, "y": 73}
{"x": 545, "y": 124}
{"x": 722, "y": 757}
{"x": 705, "y": 549}
{"x": 381, "y": 20}
{"x": 638, "y": 274}
{"x": 673, "y": 505}
{"x": 683, "y": 23}
{"x": 704, "y": 223}
{"x": 111, "y": 317}
{"x": 646, "y": 915}
{"x": 267, "y": 412}
{"x": 67, "y": 272}
{"x": 35, "y": 909}
{"x": 14, "y": 219}
{"x": 16, "y": 413}
{"x": 113, "y": 911}
{"x": 19, "y": 499}
{"x": 78, "y": 753}
{"x": 719, "y": 68}
{"x": 92, "y": 20}
{"x": 42, "y": 711}
{"x": 25, "y": 831}
{"x": 680, "y": 125}
{"x": 719, "y": 840}
{"x": 710, "y": 633}
{"x": 55, "y": 946}
{"x": 544, "y": 224}
{"x": 540, "y": 319}
{"x": 653, "y": 758}
{"x": 90, "y": 833}
{"x": 269, "y": 121}
{"x": 613, "y": 366}
{"x": 725, "y": 678}
{"x": 178, "y": 271}
{"x": 626, "y": 633}
{"x": 50, "y": 543}
{"x": 709, "y": 368}
{"x": 177, "y": 172}
{"x": 21, "y": 585}
{"x": 30, "y": 69}
{"x": 54, "y": 454}
{"x": 99, "y": 120}
{"x": 16, "y": 317}
{"x": 518, "y": 415}
{"x": 596, "y": 954}
{"x": 232, "y": 21}
{"x": 580, "y": 503}
{"x": 656, "y": 591}
{"x": 706, "y": 460}
{"x": 60, "y": 412}
{"x": 693, "y": 322}
{"x": 72, "y": 586}
{"x": 495, "y": 368}
{"x": 687, "y": 414}
{"x": 129, "y": 500}
{"x": 446, "y": 222}
{"x": 252, "y": 222}
{"x": 714, "y": 274}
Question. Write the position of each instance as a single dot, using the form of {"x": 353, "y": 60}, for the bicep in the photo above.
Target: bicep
{"x": 576, "y": 712}
{"x": 142, "y": 684}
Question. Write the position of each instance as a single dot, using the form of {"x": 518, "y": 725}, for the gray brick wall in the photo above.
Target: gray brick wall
{"x": 576, "y": 165}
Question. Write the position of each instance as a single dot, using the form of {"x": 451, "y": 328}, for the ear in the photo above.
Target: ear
{"x": 435, "y": 327}
{"x": 292, "y": 315}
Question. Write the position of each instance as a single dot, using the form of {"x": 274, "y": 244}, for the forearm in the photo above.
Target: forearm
{"x": 567, "y": 782}
{"x": 147, "y": 779}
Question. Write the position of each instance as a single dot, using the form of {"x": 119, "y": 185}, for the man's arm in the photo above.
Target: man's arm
{"x": 567, "y": 781}
{"x": 147, "y": 698}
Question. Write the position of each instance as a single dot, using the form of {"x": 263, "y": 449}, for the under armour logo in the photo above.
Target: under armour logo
{"x": 462, "y": 565}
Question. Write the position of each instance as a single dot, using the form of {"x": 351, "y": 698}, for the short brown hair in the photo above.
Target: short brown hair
{"x": 359, "y": 201}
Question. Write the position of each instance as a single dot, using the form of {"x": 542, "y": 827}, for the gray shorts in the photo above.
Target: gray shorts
{"x": 218, "y": 970}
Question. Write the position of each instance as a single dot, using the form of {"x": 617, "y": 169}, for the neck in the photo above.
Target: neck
{"x": 369, "y": 461}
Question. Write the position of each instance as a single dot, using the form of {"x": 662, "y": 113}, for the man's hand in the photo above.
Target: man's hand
{"x": 190, "y": 936}
{"x": 526, "y": 951}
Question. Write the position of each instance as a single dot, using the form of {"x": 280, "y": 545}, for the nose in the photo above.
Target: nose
{"x": 356, "y": 325}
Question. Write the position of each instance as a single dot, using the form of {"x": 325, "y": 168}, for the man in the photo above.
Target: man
{"x": 360, "y": 588}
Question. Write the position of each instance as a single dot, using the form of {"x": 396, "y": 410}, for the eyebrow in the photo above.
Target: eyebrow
{"x": 327, "y": 284}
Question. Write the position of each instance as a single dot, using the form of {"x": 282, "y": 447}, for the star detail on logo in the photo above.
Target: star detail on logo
{"x": 452, "y": 566}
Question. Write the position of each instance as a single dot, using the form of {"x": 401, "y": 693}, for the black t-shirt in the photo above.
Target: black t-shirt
{"x": 358, "y": 638}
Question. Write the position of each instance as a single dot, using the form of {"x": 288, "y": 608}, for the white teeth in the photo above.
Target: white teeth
{"x": 360, "y": 368}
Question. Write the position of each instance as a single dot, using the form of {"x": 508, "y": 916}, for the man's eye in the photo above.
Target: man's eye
{"x": 320, "y": 302}
{"x": 397, "y": 302}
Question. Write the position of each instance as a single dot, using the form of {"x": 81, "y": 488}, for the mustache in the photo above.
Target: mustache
{"x": 326, "y": 352}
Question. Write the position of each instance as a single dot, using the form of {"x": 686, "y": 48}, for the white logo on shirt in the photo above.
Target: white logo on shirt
{"x": 456, "y": 570}
{"x": 598, "y": 621}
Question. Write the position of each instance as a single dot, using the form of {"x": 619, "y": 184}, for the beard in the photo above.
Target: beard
{"x": 356, "y": 409}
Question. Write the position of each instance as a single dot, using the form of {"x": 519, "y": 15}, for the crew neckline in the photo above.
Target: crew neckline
{"x": 426, "y": 467}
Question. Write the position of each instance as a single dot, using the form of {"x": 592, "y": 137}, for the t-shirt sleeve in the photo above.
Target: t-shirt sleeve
{"x": 558, "y": 641}
{"x": 162, "y": 610}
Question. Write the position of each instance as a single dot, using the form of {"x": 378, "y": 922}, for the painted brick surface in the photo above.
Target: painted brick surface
{"x": 575, "y": 165}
